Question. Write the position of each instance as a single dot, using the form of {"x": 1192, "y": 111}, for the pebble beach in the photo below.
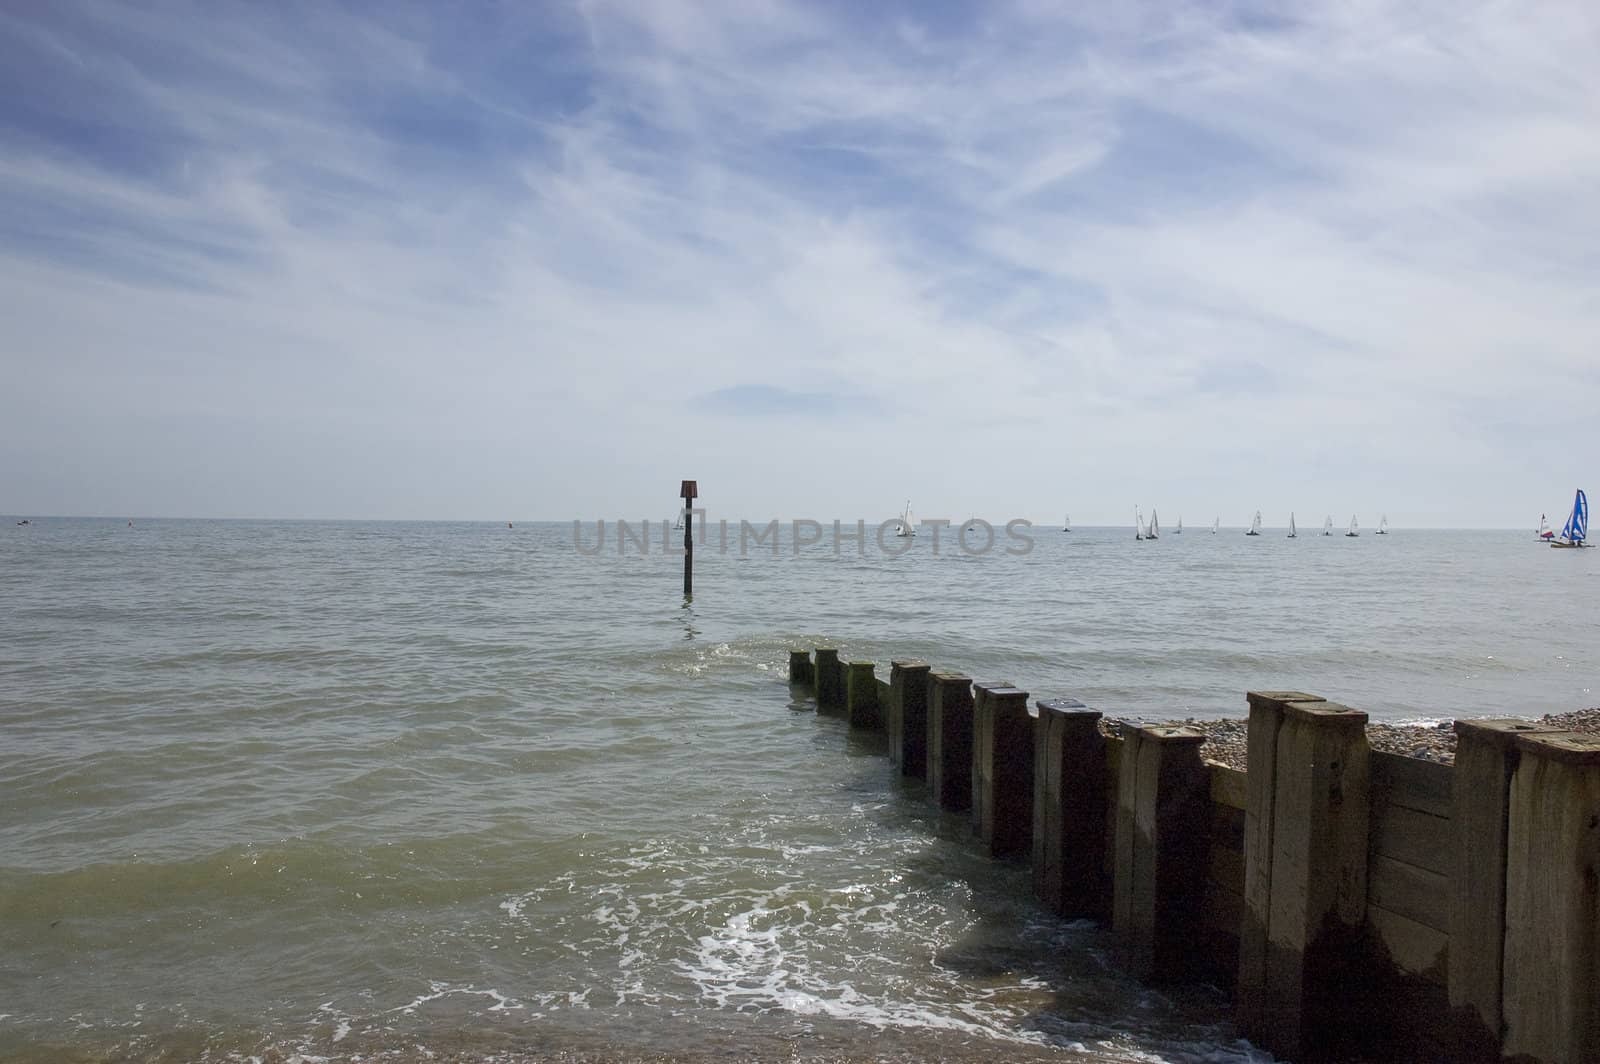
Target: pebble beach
{"x": 1226, "y": 738}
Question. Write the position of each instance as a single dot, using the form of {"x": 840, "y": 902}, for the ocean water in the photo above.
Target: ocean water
{"x": 436, "y": 791}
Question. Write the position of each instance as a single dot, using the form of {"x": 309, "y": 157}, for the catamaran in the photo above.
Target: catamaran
{"x": 1255, "y": 525}
{"x": 1292, "y": 533}
{"x": 908, "y": 526}
{"x": 1383, "y": 525}
{"x": 1327, "y": 526}
{"x": 1354, "y": 531}
{"x": 1545, "y": 532}
{"x": 1576, "y": 529}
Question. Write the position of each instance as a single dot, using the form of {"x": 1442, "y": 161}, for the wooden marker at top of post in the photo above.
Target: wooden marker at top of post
{"x": 688, "y": 493}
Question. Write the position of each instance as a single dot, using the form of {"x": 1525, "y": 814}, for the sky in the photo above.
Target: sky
{"x": 545, "y": 260}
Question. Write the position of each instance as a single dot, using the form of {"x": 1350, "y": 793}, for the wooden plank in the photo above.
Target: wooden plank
{"x": 1409, "y": 891}
{"x": 1223, "y": 909}
{"x": 1412, "y": 782}
{"x": 1225, "y": 867}
{"x": 1227, "y": 826}
{"x": 1228, "y": 786}
{"x": 1416, "y": 838}
{"x": 1414, "y": 948}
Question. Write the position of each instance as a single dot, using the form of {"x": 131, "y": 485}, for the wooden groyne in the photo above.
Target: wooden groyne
{"x": 1356, "y": 902}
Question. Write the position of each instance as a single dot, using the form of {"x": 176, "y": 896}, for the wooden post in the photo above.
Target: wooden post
{"x": 861, "y": 697}
{"x": 1162, "y": 818}
{"x": 908, "y": 716}
{"x": 982, "y": 742}
{"x": 1550, "y": 994}
{"x": 688, "y": 493}
{"x": 1301, "y": 953}
{"x": 1261, "y": 751}
{"x": 1486, "y": 758}
{"x": 1069, "y": 811}
{"x": 1003, "y": 772}
{"x": 950, "y": 740}
{"x": 800, "y": 672}
{"x": 829, "y": 679}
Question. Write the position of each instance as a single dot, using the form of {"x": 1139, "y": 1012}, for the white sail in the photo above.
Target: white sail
{"x": 1383, "y": 525}
{"x": 1255, "y": 525}
{"x": 1327, "y": 526}
{"x": 1354, "y": 529}
{"x": 908, "y": 524}
{"x": 1179, "y": 530}
{"x": 1067, "y": 525}
{"x": 1292, "y": 533}
{"x": 1154, "y": 531}
{"x": 1216, "y": 522}
{"x": 1138, "y": 524}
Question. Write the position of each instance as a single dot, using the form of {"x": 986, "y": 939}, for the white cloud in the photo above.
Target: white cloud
{"x": 1320, "y": 258}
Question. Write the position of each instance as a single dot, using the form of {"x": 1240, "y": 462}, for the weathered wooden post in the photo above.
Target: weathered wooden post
{"x": 1307, "y": 816}
{"x": 688, "y": 492}
{"x": 950, "y": 740}
{"x": 1550, "y": 996}
{"x": 861, "y": 697}
{"x": 981, "y": 742}
{"x": 1003, "y": 772}
{"x": 908, "y": 716}
{"x": 800, "y": 672}
{"x": 829, "y": 679}
{"x": 1162, "y": 824}
{"x": 1069, "y": 813}
{"x": 1486, "y": 758}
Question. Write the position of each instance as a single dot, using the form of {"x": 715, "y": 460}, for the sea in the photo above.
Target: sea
{"x": 284, "y": 790}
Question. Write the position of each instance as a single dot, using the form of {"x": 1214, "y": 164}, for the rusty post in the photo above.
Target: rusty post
{"x": 688, "y": 493}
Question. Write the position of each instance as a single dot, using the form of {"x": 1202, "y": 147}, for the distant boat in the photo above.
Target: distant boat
{"x": 1354, "y": 531}
{"x": 1255, "y": 525}
{"x": 24, "y": 521}
{"x": 1292, "y": 533}
{"x": 1067, "y": 525}
{"x": 1154, "y": 531}
{"x": 1383, "y": 525}
{"x": 908, "y": 525}
{"x": 1215, "y": 522}
{"x": 1327, "y": 526}
{"x": 1138, "y": 524}
{"x": 1545, "y": 532}
{"x": 1179, "y": 530}
{"x": 1576, "y": 529}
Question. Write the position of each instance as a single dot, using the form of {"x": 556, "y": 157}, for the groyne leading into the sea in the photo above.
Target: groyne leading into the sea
{"x": 1357, "y": 902}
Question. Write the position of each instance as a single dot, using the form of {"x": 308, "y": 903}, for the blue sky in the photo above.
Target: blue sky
{"x": 506, "y": 260}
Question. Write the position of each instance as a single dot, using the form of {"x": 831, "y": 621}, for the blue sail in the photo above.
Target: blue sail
{"x": 1577, "y": 527}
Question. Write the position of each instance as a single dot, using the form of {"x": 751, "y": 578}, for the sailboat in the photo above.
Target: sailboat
{"x": 1214, "y": 523}
{"x": 908, "y": 524}
{"x": 1067, "y": 525}
{"x": 1383, "y": 525}
{"x": 1354, "y": 531}
{"x": 1179, "y": 530}
{"x": 1545, "y": 532}
{"x": 1292, "y": 533}
{"x": 1327, "y": 526}
{"x": 1576, "y": 529}
{"x": 1138, "y": 524}
{"x": 1154, "y": 531}
{"x": 1255, "y": 525}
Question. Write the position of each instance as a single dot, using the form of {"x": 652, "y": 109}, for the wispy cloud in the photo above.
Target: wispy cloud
{"x": 410, "y": 261}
